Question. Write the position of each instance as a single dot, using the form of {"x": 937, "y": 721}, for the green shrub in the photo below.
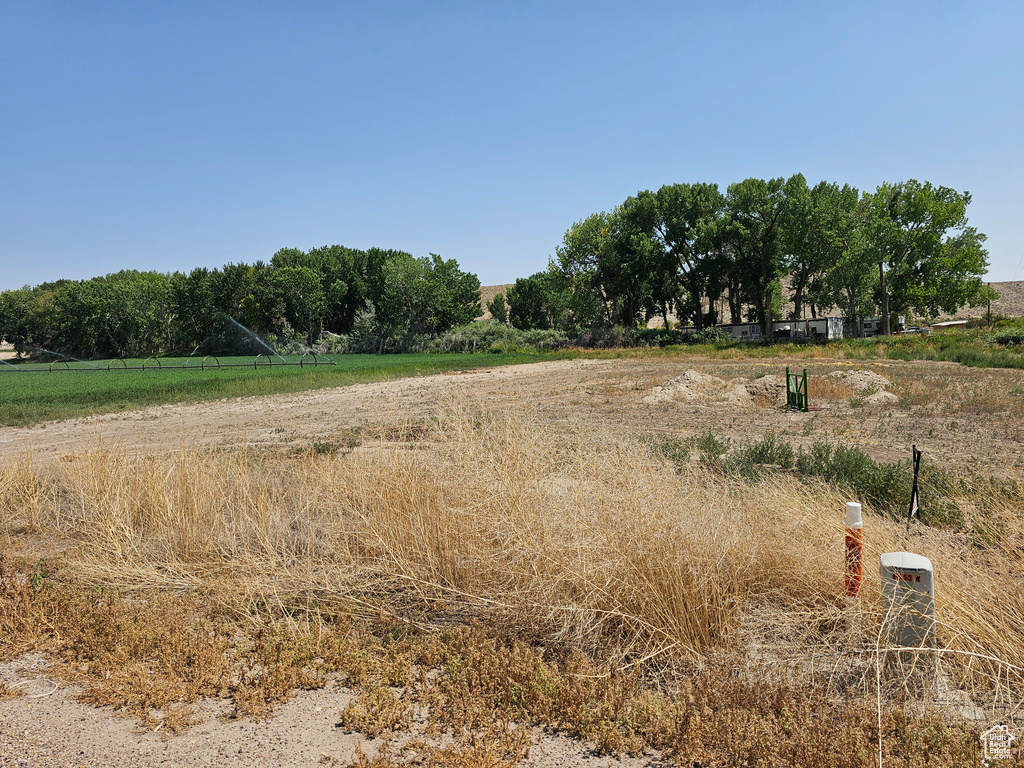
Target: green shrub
{"x": 709, "y": 447}
{"x": 885, "y": 486}
{"x": 882, "y": 486}
{"x": 769, "y": 450}
{"x": 709, "y": 336}
{"x": 1013, "y": 337}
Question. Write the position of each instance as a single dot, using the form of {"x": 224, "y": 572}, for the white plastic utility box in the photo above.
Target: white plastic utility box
{"x": 908, "y": 594}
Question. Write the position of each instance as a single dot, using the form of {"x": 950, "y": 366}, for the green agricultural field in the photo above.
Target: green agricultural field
{"x": 32, "y": 392}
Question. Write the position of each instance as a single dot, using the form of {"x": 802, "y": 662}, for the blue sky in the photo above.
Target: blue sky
{"x": 173, "y": 135}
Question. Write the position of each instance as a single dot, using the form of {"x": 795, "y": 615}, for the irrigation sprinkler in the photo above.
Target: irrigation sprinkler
{"x": 308, "y": 359}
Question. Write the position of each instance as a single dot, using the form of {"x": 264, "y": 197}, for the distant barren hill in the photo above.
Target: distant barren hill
{"x": 488, "y": 292}
{"x": 1010, "y": 301}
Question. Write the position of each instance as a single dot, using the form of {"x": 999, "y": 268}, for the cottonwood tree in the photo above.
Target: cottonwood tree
{"x": 809, "y": 259}
{"x": 304, "y": 299}
{"x": 543, "y": 300}
{"x": 453, "y": 296}
{"x": 919, "y": 263}
{"x": 688, "y": 229}
{"x": 758, "y": 213}
{"x": 838, "y": 235}
{"x": 587, "y": 261}
{"x": 498, "y": 309}
{"x": 425, "y": 295}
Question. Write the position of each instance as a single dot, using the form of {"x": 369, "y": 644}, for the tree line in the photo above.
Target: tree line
{"x": 298, "y": 294}
{"x": 687, "y": 250}
{"x": 706, "y": 257}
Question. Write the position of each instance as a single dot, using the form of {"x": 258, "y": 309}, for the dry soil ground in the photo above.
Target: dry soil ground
{"x": 955, "y": 414}
{"x": 959, "y": 416}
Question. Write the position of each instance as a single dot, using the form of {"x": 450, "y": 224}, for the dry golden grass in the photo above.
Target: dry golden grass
{"x": 626, "y": 569}
{"x": 829, "y": 388}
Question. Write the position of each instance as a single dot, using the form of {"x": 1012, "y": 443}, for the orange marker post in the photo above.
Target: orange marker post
{"x": 854, "y": 550}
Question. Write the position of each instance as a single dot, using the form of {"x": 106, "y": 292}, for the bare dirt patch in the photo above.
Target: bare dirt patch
{"x": 59, "y": 731}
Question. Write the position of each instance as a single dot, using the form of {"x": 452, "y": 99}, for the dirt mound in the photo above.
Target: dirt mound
{"x": 881, "y": 398}
{"x": 861, "y": 381}
{"x": 700, "y": 388}
{"x": 770, "y": 389}
{"x": 696, "y": 387}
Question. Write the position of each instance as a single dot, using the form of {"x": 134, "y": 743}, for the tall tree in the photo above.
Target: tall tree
{"x": 907, "y": 226}
{"x": 808, "y": 260}
{"x": 947, "y": 280}
{"x": 758, "y": 217}
{"x": 586, "y": 261}
{"x": 304, "y": 299}
{"x": 609, "y": 261}
{"x": 498, "y": 309}
{"x": 542, "y": 300}
{"x": 15, "y": 309}
{"x": 452, "y": 296}
{"x": 689, "y": 232}
{"x": 838, "y": 235}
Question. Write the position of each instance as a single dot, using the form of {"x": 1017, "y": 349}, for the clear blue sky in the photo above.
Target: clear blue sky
{"x": 173, "y": 135}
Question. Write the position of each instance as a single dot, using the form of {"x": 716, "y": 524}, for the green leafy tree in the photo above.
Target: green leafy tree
{"x": 638, "y": 272}
{"x": 838, "y": 238}
{"x": 400, "y": 309}
{"x": 920, "y": 264}
{"x": 452, "y": 296}
{"x": 584, "y": 259}
{"x": 759, "y": 214}
{"x": 342, "y": 273}
{"x": 301, "y": 290}
{"x": 542, "y": 300}
{"x": 498, "y": 309}
{"x": 809, "y": 260}
{"x": 192, "y": 300}
{"x": 607, "y": 260}
{"x": 688, "y": 229}
{"x": 15, "y": 309}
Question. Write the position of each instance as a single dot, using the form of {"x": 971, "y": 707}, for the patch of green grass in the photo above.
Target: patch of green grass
{"x": 33, "y": 393}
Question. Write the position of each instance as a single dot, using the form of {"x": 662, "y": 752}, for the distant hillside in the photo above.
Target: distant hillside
{"x": 1010, "y": 302}
{"x": 488, "y": 292}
